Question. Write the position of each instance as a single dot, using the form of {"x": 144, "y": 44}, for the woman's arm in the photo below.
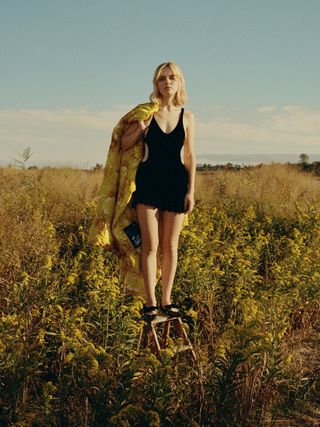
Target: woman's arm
{"x": 189, "y": 154}
{"x": 133, "y": 134}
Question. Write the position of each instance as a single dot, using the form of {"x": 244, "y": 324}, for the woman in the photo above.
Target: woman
{"x": 164, "y": 184}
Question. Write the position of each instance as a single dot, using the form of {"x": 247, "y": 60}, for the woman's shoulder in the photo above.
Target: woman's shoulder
{"x": 139, "y": 112}
{"x": 144, "y": 110}
{"x": 188, "y": 114}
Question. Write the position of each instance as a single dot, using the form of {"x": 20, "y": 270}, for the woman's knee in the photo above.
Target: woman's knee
{"x": 149, "y": 246}
{"x": 169, "y": 247}
{"x": 148, "y": 218}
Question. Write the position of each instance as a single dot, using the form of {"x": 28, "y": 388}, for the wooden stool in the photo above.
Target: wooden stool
{"x": 149, "y": 336}
{"x": 149, "y": 339}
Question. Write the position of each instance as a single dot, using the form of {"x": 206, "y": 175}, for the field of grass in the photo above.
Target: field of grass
{"x": 248, "y": 279}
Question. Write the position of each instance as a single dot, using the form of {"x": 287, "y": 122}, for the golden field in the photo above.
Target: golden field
{"x": 248, "y": 280}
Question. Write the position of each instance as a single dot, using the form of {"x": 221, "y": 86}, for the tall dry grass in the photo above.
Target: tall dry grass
{"x": 275, "y": 189}
{"x": 248, "y": 277}
{"x": 63, "y": 191}
{"x": 36, "y": 205}
{"x": 40, "y": 206}
{"x": 34, "y": 199}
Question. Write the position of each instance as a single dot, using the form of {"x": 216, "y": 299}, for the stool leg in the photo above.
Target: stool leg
{"x": 179, "y": 328}
{"x": 166, "y": 334}
{"x": 146, "y": 336}
{"x": 154, "y": 345}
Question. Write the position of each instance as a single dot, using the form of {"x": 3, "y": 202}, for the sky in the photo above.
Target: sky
{"x": 71, "y": 69}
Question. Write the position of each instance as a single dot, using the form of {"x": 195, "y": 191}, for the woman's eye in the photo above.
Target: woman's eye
{"x": 171, "y": 77}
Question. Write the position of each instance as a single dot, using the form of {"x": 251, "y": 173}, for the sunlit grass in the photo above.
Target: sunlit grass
{"x": 275, "y": 189}
{"x": 248, "y": 279}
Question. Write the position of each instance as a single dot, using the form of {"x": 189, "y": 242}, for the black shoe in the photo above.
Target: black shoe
{"x": 146, "y": 312}
{"x": 168, "y": 310}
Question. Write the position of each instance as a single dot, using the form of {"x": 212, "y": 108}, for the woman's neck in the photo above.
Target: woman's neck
{"x": 168, "y": 107}
{"x": 167, "y": 104}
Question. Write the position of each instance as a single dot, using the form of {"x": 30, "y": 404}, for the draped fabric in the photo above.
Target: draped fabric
{"x": 113, "y": 210}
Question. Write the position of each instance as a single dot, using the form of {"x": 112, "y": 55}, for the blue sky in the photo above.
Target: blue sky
{"x": 70, "y": 69}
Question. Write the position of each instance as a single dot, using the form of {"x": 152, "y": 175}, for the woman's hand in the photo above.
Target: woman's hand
{"x": 188, "y": 202}
{"x": 144, "y": 124}
{"x": 133, "y": 133}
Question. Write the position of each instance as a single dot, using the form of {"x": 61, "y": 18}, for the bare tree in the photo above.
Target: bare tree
{"x": 25, "y": 156}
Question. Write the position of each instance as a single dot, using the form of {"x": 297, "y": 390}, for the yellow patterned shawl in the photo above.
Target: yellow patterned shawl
{"x": 113, "y": 210}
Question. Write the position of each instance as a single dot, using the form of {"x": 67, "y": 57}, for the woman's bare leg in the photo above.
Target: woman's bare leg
{"x": 148, "y": 218}
{"x": 171, "y": 227}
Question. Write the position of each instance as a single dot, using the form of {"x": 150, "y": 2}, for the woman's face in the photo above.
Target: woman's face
{"x": 168, "y": 83}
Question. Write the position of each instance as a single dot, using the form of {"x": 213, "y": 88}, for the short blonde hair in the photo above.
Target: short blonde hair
{"x": 181, "y": 96}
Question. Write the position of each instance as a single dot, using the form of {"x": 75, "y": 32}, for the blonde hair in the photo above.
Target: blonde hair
{"x": 181, "y": 96}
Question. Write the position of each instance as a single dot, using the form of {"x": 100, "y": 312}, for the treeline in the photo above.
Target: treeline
{"x": 304, "y": 166}
{"x": 313, "y": 167}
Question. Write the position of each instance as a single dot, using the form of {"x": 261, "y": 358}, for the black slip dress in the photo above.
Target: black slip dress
{"x": 162, "y": 179}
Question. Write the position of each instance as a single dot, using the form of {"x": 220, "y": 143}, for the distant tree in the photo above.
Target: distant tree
{"x": 304, "y": 158}
{"x": 98, "y": 167}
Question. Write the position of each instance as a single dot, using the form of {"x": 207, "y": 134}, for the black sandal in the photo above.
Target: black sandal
{"x": 146, "y": 309}
{"x": 168, "y": 310}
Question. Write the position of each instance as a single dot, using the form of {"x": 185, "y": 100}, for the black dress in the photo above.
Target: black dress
{"x": 162, "y": 179}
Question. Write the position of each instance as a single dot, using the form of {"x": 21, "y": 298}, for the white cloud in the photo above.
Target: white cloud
{"x": 293, "y": 129}
{"x": 266, "y": 109}
{"x": 83, "y": 135}
{"x": 57, "y": 135}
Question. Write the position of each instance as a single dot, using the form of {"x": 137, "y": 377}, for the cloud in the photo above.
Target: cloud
{"x": 266, "y": 109}
{"x": 62, "y": 135}
{"x": 292, "y": 129}
{"x": 97, "y": 120}
{"x": 83, "y": 136}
